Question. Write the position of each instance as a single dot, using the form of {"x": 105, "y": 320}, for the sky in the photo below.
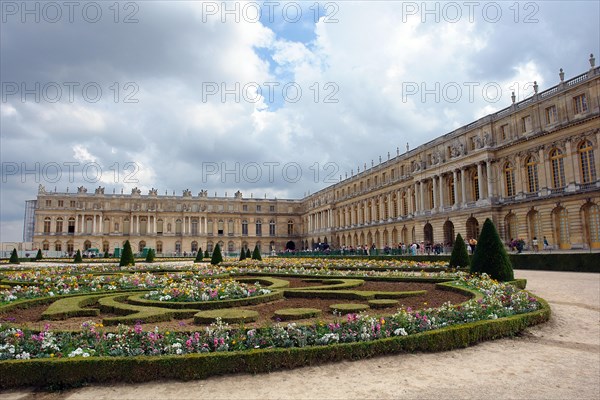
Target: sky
{"x": 276, "y": 99}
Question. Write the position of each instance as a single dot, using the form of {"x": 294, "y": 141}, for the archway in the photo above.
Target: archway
{"x": 428, "y": 234}
{"x": 448, "y": 233}
{"x": 472, "y": 228}
{"x": 591, "y": 224}
{"x": 290, "y": 246}
{"x": 510, "y": 227}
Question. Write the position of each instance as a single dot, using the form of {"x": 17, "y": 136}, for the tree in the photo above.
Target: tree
{"x": 217, "y": 257}
{"x": 256, "y": 254}
{"x": 248, "y": 254}
{"x": 150, "y": 256}
{"x": 206, "y": 253}
{"x": 127, "y": 255}
{"x": 199, "y": 256}
{"x": 39, "y": 255}
{"x": 459, "y": 256}
{"x": 14, "y": 257}
{"x": 490, "y": 255}
{"x": 78, "y": 258}
{"x": 106, "y": 254}
{"x": 242, "y": 254}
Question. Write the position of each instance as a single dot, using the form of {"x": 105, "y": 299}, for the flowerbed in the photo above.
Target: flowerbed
{"x": 496, "y": 300}
{"x": 206, "y": 290}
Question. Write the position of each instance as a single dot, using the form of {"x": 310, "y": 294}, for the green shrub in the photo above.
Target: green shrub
{"x": 106, "y": 254}
{"x": 288, "y": 314}
{"x": 345, "y": 308}
{"x": 490, "y": 255}
{"x": 460, "y": 256}
{"x": 206, "y": 254}
{"x": 150, "y": 256}
{"x": 217, "y": 257}
{"x": 127, "y": 256}
{"x": 14, "y": 257}
{"x": 248, "y": 255}
{"x": 383, "y": 303}
{"x": 256, "y": 254}
{"x": 39, "y": 255}
{"x": 242, "y": 255}
{"x": 78, "y": 258}
{"x": 199, "y": 256}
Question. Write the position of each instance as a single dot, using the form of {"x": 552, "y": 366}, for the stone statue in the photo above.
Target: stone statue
{"x": 81, "y": 189}
{"x": 187, "y": 193}
{"x": 99, "y": 190}
{"x": 153, "y": 192}
{"x": 136, "y": 191}
{"x": 41, "y": 188}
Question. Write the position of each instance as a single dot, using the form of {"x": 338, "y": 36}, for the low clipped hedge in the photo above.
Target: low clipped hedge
{"x": 348, "y": 307}
{"x": 349, "y": 294}
{"x": 383, "y": 303}
{"x": 576, "y": 262}
{"x": 69, "y": 372}
{"x": 229, "y": 315}
{"x": 288, "y": 314}
{"x": 207, "y": 305}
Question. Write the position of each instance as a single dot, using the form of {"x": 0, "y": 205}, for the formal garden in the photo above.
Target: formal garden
{"x": 68, "y": 323}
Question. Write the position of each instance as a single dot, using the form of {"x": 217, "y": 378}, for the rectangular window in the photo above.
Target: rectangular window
{"x": 504, "y": 132}
{"x": 245, "y": 207}
{"x": 551, "y": 115}
{"x": 258, "y": 208}
{"x": 61, "y": 203}
{"x": 580, "y": 104}
{"x": 526, "y": 124}
{"x": 72, "y": 203}
{"x": 48, "y": 203}
{"x": 271, "y": 208}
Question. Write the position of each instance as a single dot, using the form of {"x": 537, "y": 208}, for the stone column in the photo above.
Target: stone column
{"x": 416, "y": 205}
{"x": 434, "y": 206}
{"x": 463, "y": 184}
{"x": 421, "y": 197}
{"x": 543, "y": 169}
{"x": 454, "y": 191}
{"x": 490, "y": 187}
{"x": 571, "y": 169}
{"x": 441, "y": 193}
{"x": 480, "y": 180}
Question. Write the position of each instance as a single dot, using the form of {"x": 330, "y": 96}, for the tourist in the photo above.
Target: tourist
{"x": 534, "y": 244}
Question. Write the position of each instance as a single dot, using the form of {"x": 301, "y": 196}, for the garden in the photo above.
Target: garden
{"x": 64, "y": 324}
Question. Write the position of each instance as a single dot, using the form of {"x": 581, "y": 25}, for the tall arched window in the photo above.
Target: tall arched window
{"x": 404, "y": 204}
{"x": 47, "y": 225}
{"x": 59, "y": 225}
{"x": 532, "y": 175}
{"x": 178, "y": 227}
{"x": 290, "y": 228}
{"x": 591, "y": 223}
{"x": 586, "y": 162}
{"x": 245, "y": 228}
{"x": 386, "y": 210}
{"x": 258, "y": 227}
{"x": 558, "y": 168}
{"x": 561, "y": 225}
{"x": 271, "y": 228}
{"x": 475, "y": 186}
{"x": 450, "y": 187}
{"x": 509, "y": 179}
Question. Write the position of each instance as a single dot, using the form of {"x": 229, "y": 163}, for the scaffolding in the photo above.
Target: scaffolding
{"x": 29, "y": 221}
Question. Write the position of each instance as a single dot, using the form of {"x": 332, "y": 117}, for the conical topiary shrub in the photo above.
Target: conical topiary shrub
{"x": 150, "y": 256}
{"x": 217, "y": 257}
{"x": 242, "y": 255}
{"x": 39, "y": 255}
{"x": 256, "y": 254}
{"x": 460, "y": 256}
{"x": 14, "y": 257}
{"x": 199, "y": 255}
{"x": 127, "y": 256}
{"x": 490, "y": 255}
{"x": 248, "y": 254}
{"x": 206, "y": 253}
{"x": 78, "y": 258}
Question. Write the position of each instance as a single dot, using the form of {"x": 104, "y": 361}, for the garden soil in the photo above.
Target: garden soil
{"x": 556, "y": 360}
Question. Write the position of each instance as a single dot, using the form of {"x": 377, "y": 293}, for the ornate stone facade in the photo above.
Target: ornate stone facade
{"x": 532, "y": 168}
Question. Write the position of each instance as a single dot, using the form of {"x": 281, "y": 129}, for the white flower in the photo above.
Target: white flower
{"x": 400, "y": 332}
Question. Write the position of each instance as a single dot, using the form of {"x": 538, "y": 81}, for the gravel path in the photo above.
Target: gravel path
{"x": 557, "y": 360}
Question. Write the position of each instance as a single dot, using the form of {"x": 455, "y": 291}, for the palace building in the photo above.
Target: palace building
{"x": 531, "y": 167}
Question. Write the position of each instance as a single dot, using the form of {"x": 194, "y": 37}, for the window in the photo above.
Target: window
{"x": 526, "y": 124}
{"x": 70, "y": 247}
{"x": 475, "y": 186}
{"x": 57, "y": 246}
{"x": 47, "y": 225}
{"x": 586, "y": 162}
{"x": 271, "y": 228}
{"x": 71, "y": 227}
{"x": 430, "y": 192}
{"x": 45, "y": 246}
{"x": 59, "y": 225}
{"x": 209, "y": 227}
{"x": 245, "y": 207}
{"x": 504, "y": 132}
{"x": 551, "y": 115}
{"x": 404, "y": 204}
{"x": 451, "y": 194}
{"x": 258, "y": 227}
{"x": 159, "y": 248}
{"x": 290, "y": 228}
{"x": 105, "y": 247}
{"x": 178, "y": 226}
{"x": 220, "y": 227}
{"x": 258, "y": 208}
{"x": 271, "y": 208}
{"x": 195, "y": 227}
{"x": 194, "y": 247}
{"x": 230, "y": 231}
{"x": 72, "y": 203}
{"x": 48, "y": 203}
{"x": 558, "y": 169}
{"x": 580, "y": 104}
{"x": 532, "y": 175}
{"x": 245, "y": 228}
{"x": 509, "y": 179}
{"x": 159, "y": 227}
{"x": 61, "y": 203}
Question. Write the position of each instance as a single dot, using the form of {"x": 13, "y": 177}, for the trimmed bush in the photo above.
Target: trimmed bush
{"x": 72, "y": 307}
{"x": 217, "y": 257}
{"x": 78, "y": 258}
{"x": 106, "y": 254}
{"x": 490, "y": 255}
{"x": 14, "y": 257}
{"x": 150, "y": 256}
{"x": 256, "y": 254}
{"x": 242, "y": 255}
{"x": 206, "y": 255}
{"x": 228, "y": 315}
{"x": 460, "y": 256}
{"x": 383, "y": 303}
{"x": 39, "y": 255}
{"x": 199, "y": 256}
{"x": 248, "y": 254}
{"x": 127, "y": 256}
{"x": 289, "y": 314}
{"x": 345, "y": 308}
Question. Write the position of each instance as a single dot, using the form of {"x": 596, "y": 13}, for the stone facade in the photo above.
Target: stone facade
{"x": 532, "y": 168}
